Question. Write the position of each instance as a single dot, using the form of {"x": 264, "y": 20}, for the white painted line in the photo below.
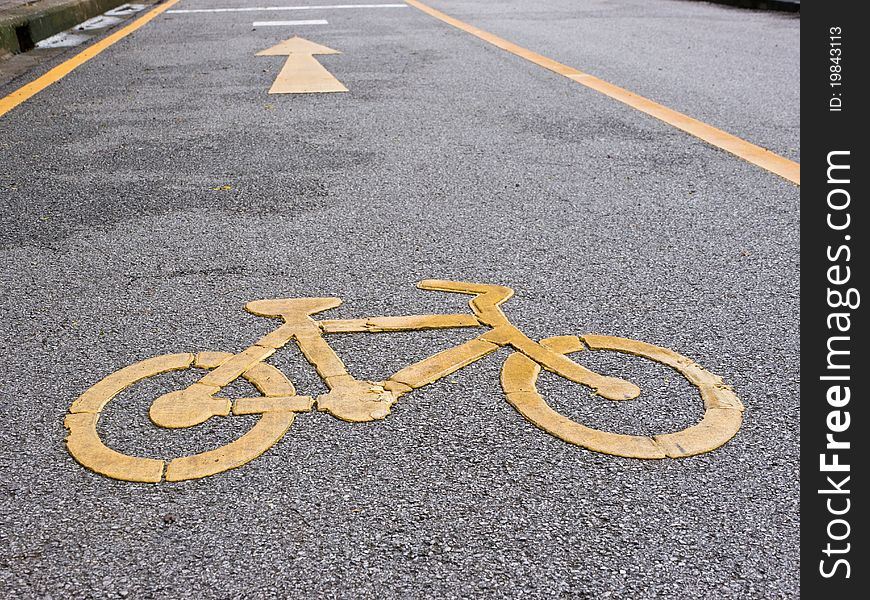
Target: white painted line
{"x": 64, "y": 39}
{"x": 100, "y": 22}
{"x": 286, "y": 23}
{"x": 274, "y": 8}
{"x": 125, "y": 9}
{"x": 71, "y": 38}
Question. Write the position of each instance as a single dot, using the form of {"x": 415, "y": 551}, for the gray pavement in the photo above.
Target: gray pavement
{"x": 448, "y": 158}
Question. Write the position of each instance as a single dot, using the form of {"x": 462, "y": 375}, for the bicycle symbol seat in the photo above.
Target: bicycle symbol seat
{"x": 355, "y": 400}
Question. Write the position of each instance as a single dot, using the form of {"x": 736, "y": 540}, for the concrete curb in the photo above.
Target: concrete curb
{"x": 21, "y": 28}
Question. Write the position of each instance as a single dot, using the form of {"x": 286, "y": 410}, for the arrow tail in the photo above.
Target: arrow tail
{"x": 303, "y": 74}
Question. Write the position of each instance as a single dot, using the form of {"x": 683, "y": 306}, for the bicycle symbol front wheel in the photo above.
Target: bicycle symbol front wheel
{"x": 723, "y": 411}
{"x": 277, "y": 409}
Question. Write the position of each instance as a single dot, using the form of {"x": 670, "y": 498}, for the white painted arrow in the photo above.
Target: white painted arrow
{"x": 302, "y": 74}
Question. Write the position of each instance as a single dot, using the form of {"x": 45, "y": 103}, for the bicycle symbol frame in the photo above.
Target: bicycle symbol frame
{"x": 357, "y": 400}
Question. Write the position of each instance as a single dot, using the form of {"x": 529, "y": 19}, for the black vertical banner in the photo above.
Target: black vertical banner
{"x": 835, "y": 373}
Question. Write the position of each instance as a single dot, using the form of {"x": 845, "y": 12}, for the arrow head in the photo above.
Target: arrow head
{"x": 296, "y": 45}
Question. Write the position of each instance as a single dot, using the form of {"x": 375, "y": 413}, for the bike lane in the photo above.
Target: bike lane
{"x": 735, "y": 69}
{"x": 159, "y": 187}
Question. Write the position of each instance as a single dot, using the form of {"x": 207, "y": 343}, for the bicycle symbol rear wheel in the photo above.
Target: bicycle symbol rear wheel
{"x": 723, "y": 411}
{"x": 277, "y": 409}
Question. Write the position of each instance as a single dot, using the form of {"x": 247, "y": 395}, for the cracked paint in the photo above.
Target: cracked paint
{"x": 357, "y": 401}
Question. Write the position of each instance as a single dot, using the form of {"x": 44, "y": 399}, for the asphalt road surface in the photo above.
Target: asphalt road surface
{"x": 151, "y": 193}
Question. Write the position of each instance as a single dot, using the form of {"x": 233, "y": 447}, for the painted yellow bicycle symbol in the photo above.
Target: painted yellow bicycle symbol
{"x": 355, "y": 400}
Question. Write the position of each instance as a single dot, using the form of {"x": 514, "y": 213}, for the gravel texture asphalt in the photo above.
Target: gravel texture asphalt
{"x": 153, "y": 192}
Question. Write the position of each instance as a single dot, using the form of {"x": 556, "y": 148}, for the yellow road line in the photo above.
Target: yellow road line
{"x": 65, "y": 68}
{"x": 749, "y": 152}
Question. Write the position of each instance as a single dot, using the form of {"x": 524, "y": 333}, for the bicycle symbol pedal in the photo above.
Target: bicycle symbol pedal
{"x": 355, "y": 400}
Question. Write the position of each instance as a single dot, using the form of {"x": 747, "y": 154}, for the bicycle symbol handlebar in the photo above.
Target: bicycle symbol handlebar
{"x": 355, "y": 400}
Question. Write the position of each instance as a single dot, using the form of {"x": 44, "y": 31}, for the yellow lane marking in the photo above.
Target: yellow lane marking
{"x": 302, "y": 74}
{"x": 785, "y": 168}
{"x": 65, "y": 68}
